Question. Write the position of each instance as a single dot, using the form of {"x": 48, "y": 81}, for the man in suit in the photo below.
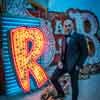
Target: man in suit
{"x": 74, "y": 53}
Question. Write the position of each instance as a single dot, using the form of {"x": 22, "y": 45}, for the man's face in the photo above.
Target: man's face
{"x": 68, "y": 26}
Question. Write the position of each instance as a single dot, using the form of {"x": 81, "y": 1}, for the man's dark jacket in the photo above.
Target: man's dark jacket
{"x": 76, "y": 52}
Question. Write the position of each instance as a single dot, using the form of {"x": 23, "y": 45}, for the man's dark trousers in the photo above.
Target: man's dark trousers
{"x": 74, "y": 81}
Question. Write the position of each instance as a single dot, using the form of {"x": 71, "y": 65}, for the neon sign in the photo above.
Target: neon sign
{"x": 25, "y": 57}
